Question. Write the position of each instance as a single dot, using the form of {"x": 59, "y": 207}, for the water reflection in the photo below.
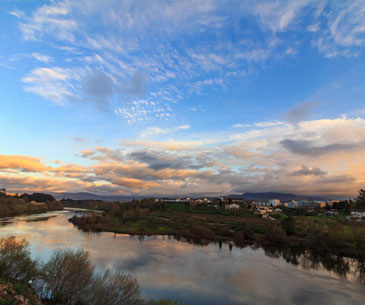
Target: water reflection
{"x": 199, "y": 272}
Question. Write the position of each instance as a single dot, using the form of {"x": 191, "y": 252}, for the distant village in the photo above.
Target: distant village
{"x": 266, "y": 208}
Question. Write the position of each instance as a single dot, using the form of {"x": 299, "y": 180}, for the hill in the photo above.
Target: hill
{"x": 90, "y": 196}
{"x": 280, "y": 196}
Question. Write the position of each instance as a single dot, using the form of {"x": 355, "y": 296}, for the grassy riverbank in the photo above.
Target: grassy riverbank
{"x": 319, "y": 233}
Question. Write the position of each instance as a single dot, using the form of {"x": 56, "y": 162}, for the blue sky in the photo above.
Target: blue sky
{"x": 182, "y": 97}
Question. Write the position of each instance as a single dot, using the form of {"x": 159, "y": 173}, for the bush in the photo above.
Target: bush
{"x": 114, "y": 287}
{"x": 69, "y": 278}
{"x": 288, "y": 225}
{"x": 202, "y": 231}
{"x": 66, "y": 276}
{"x": 239, "y": 236}
{"x": 274, "y": 233}
{"x": 15, "y": 261}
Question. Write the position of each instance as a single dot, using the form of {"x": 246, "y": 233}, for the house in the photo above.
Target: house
{"x": 231, "y": 206}
{"x": 331, "y": 213}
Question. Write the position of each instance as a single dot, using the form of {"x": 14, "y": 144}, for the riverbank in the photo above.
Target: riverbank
{"x": 11, "y": 206}
{"x": 320, "y": 234}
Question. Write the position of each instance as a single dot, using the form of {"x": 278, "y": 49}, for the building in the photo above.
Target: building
{"x": 231, "y": 206}
{"x": 274, "y": 202}
{"x": 293, "y": 204}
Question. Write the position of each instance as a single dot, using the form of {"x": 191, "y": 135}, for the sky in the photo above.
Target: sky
{"x": 190, "y": 97}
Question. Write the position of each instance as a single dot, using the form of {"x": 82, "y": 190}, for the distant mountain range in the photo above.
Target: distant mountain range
{"x": 281, "y": 196}
{"x": 246, "y": 196}
{"x": 90, "y": 196}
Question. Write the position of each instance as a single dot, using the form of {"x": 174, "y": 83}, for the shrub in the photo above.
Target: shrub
{"x": 274, "y": 233}
{"x": 15, "y": 261}
{"x": 69, "y": 278}
{"x": 239, "y": 236}
{"x": 202, "y": 231}
{"x": 288, "y": 225}
{"x": 114, "y": 287}
{"x": 65, "y": 277}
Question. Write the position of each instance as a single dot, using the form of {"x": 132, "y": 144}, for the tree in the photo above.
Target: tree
{"x": 65, "y": 277}
{"x": 114, "y": 287}
{"x": 360, "y": 201}
{"x": 69, "y": 278}
{"x": 15, "y": 260}
{"x": 288, "y": 225}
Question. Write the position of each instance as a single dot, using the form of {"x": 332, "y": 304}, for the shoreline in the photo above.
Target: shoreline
{"x": 288, "y": 243}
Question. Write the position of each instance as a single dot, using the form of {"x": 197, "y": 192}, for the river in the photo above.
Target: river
{"x": 201, "y": 274}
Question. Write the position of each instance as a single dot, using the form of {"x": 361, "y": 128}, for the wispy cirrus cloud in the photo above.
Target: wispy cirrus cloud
{"x": 42, "y": 57}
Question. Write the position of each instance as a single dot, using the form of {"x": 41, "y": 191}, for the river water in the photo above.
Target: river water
{"x": 198, "y": 274}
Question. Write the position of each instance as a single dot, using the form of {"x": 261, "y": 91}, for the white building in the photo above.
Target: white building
{"x": 293, "y": 204}
{"x": 231, "y": 206}
{"x": 274, "y": 202}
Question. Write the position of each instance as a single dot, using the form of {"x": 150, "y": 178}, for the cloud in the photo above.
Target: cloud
{"x": 52, "y": 20}
{"x": 154, "y": 131}
{"x": 307, "y": 171}
{"x": 240, "y": 125}
{"x": 309, "y": 148}
{"x": 98, "y": 86}
{"x": 50, "y": 83}
{"x": 81, "y": 140}
{"x": 168, "y": 145}
{"x": 139, "y": 84}
{"x": 42, "y": 57}
{"x": 260, "y": 160}
{"x": 278, "y": 15}
{"x": 103, "y": 154}
{"x": 267, "y": 124}
{"x": 24, "y": 163}
{"x": 300, "y": 112}
{"x": 17, "y": 13}
{"x": 159, "y": 160}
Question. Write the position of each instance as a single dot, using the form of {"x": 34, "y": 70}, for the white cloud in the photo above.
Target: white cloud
{"x": 268, "y": 124}
{"x": 42, "y": 57}
{"x": 50, "y": 83}
{"x": 240, "y": 125}
{"x": 50, "y": 19}
{"x": 155, "y": 131}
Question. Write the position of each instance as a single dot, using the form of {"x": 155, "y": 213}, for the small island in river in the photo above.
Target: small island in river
{"x": 320, "y": 228}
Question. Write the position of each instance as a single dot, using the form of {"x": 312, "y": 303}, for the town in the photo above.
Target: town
{"x": 270, "y": 207}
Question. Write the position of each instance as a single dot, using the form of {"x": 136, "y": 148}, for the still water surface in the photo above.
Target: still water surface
{"x": 196, "y": 275}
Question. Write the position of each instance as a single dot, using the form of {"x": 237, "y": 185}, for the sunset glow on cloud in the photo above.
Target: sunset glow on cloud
{"x": 183, "y": 97}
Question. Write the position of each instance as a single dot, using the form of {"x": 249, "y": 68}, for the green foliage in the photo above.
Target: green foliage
{"x": 288, "y": 225}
